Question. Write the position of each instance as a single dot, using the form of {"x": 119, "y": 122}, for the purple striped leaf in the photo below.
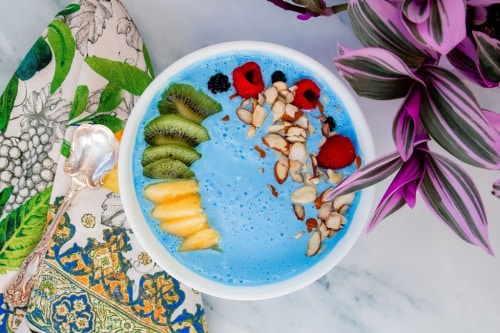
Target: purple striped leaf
{"x": 406, "y": 122}
{"x": 375, "y": 73}
{"x": 379, "y": 24}
{"x": 454, "y": 120}
{"x": 391, "y": 204}
{"x": 417, "y": 11}
{"x": 488, "y": 53}
{"x": 444, "y": 28}
{"x": 496, "y": 188}
{"x": 493, "y": 118}
{"x": 451, "y": 194}
{"x": 464, "y": 57}
{"x": 368, "y": 175}
{"x": 402, "y": 190}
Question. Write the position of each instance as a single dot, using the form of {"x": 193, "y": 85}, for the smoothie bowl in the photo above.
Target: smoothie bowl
{"x": 224, "y": 162}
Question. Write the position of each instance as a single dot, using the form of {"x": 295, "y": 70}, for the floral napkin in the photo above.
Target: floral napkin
{"x": 89, "y": 66}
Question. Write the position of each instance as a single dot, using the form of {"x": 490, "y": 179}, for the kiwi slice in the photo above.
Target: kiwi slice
{"x": 189, "y": 102}
{"x": 167, "y": 168}
{"x": 171, "y": 128}
{"x": 177, "y": 151}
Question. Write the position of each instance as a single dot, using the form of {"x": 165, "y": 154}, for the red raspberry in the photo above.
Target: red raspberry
{"x": 336, "y": 153}
{"x": 247, "y": 80}
{"x": 306, "y": 95}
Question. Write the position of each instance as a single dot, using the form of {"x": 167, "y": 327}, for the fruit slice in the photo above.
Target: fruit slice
{"x": 170, "y": 190}
{"x": 307, "y": 94}
{"x": 167, "y": 168}
{"x": 201, "y": 240}
{"x": 187, "y": 101}
{"x": 247, "y": 80}
{"x": 174, "y": 128}
{"x": 177, "y": 151}
{"x": 185, "y": 226}
{"x": 184, "y": 207}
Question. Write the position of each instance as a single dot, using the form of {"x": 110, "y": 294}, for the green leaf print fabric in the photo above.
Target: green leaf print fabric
{"x": 89, "y": 66}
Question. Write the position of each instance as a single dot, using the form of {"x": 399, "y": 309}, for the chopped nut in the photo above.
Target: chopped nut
{"x": 304, "y": 194}
{"x": 311, "y": 223}
{"x": 278, "y": 110}
{"x": 276, "y": 142}
{"x": 325, "y": 210}
{"x": 335, "y": 221}
{"x": 298, "y": 152}
{"x": 281, "y": 171}
{"x": 299, "y": 211}
{"x": 271, "y": 94}
{"x": 280, "y": 85}
{"x": 314, "y": 244}
{"x": 251, "y": 131}
{"x": 262, "y": 152}
{"x": 333, "y": 177}
{"x": 299, "y": 235}
{"x": 343, "y": 200}
{"x": 244, "y": 115}
{"x": 259, "y": 116}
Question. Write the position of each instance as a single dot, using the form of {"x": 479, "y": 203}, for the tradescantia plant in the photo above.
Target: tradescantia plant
{"x": 405, "y": 41}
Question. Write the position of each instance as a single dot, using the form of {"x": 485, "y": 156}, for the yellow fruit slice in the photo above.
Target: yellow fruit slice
{"x": 203, "y": 239}
{"x": 110, "y": 181}
{"x": 189, "y": 205}
{"x": 170, "y": 190}
{"x": 185, "y": 226}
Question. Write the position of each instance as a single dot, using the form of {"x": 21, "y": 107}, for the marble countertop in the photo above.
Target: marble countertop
{"x": 411, "y": 274}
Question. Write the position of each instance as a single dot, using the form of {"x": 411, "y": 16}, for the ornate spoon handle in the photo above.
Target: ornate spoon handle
{"x": 18, "y": 293}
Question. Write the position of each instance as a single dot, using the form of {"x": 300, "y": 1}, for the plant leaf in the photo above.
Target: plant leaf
{"x": 21, "y": 230}
{"x": 111, "y": 97}
{"x": 488, "y": 50}
{"x": 453, "y": 118}
{"x": 70, "y": 9}
{"x": 63, "y": 44}
{"x": 444, "y": 28}
{"x": 452, "y": 195}
{"x": 406, "y": 123}
{"x": 464, "y": 58}
{"x": 379, "y": 24}
{"x": 391, "y": 204}
{"x": 37, "y": 58}
{"x": 114, "y": 123}
{"x": 371, "y": 173}
{"x": 7, "y": 101}
{"x": 80, "y": 101}
{"x": 375, "y": 73}
{"x": 493, "y": 118}
{"x": 416, "y": 11}
{"x": 128, "y": 77}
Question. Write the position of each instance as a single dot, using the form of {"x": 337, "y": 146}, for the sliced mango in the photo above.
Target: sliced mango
{"x": 201, "y": 240}
{"x": 189, "y": 205}
{"x": 185, "y": 226}
{"x": 110, "y": 181}
{"x": 170, "y": 190}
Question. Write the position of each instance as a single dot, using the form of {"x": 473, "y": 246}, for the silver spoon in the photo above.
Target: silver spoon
{"x": 94, "y": 152}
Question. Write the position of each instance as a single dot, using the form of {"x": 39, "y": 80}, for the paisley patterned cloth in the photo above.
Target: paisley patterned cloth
{"x": 89, "y": 66}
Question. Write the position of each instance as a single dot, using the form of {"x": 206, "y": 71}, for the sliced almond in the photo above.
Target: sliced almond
{"x": 281, "y": 158}
{"x": 280, "y": 85}
{"x": 270, "y": 95}
{"x": 333, "y": 177}
{"x": 298, "y": 152}
{"x": 280, "y": 172}
{"x": 299, "y": 212}
{"x": 302, "y": 122}
{"x": 261, "y": 99}
{"x": 314, "y": 163}
{"x": 251, "y": 131}
{"x": 314, "y": 244}
{"x": 291, "y": 111}
{"x": 325, "y": 129}
{"x": 259, "y": 116}
{"x": 324, "y": 231}
{"x": 343, "y": 200}
{"x": 295, "y": 138}
{"x": 295, "y": 171}
{"x": 244, "y": 115}
{"x": 299, "y": 235}
{"x": 245, "y": 102}
{"x": 277, "y": 142}
{"x": 335, "y": 221}
{"x": 278, "y": 110}
{"x": 276, "y": 128}
{"x": 304, "y": 194}
{"x": 287, "y": 96}
{"x": 325, "y": 210}
{"x": 295, "y": 131}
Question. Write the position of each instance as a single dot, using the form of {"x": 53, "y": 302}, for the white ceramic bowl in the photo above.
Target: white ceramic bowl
{"x": 260, "y": 259}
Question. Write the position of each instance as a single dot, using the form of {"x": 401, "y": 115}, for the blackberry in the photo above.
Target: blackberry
{"x": 331, "y": 123}
{"x": 278, "y": 76}
{"x": 218, "y": 83}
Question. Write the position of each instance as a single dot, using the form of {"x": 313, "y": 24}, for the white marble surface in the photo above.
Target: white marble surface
{"x": 410, "y": 275}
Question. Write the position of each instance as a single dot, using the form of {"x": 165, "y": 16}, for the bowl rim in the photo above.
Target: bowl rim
{"x": 151, "y": 243}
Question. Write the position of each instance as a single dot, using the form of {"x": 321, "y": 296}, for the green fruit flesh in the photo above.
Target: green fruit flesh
{"x": 172, "y": 128}
{"x": 176, "y": 151}
{"x": 189, "y": 102}
{"x": 167, "y": 168}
